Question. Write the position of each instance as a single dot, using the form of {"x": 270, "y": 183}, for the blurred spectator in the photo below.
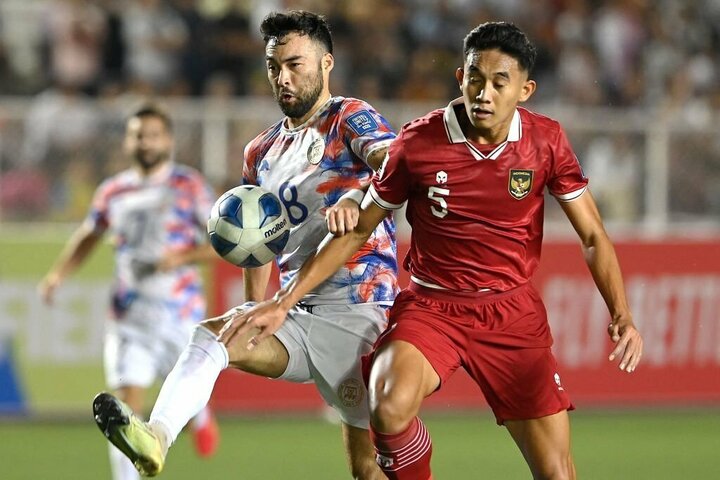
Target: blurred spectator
{"x": 154, "y": 36}
{"x": 61, "y": 123}
{"x": 233, "y": 47}
{"x": 9, "y": 81}
{"x": 618, "y": 36}
{"x": 74, "y": 31}
{"x": 612, "y": 164}
{"x": 114, "y": 48}
{"x": 194, "y": 58}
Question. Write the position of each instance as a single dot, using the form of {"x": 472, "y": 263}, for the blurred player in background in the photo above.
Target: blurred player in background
{"x": 323, "y": 152}
{"x": 474, "y": 176}
{"x": 156, "y": 212}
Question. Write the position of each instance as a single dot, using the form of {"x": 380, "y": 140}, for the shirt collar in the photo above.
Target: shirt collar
{"x": 158, "y": 176}
{"x": 456, "y": 135}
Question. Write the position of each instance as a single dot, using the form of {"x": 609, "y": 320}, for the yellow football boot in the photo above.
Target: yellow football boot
{"x": 128, "y": 433}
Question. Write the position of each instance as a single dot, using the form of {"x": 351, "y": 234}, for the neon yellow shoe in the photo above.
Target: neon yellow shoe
{"x": 129, "y": 434}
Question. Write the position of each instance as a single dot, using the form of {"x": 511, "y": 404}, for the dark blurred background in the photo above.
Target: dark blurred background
{"x": 636, "y": 83}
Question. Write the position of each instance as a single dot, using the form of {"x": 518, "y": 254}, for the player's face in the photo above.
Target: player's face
{"x": 298, "y": 71}
{"x": 147, "y": 141}
{"x": 492, "y": 84}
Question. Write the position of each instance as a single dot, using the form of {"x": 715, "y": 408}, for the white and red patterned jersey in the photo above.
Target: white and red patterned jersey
{"x": 147, "y": 217}
{"x": 309, "y": 168}
{"x": 476, "y": 213}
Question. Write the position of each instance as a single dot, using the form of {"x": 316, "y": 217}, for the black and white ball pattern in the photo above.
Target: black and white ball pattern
{"x": 248, "y": 226}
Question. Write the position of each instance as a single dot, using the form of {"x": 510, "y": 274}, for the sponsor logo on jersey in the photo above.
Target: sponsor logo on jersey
{"x": 351, "y": 392}
{"x": 520, "y": 183}
{"x": 362, "y": 122}
{"x": 557, "y": 381}
{"x": 315, "y": 151}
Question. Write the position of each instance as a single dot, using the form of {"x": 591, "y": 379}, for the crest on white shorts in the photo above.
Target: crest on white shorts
{"x": 351, "y": 392}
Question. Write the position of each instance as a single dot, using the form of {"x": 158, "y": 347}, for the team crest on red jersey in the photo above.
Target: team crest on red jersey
{"x": 520, "y": 183}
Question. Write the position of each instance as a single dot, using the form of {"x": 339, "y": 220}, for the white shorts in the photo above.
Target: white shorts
{"x": 141, "y": 353}
{"x": 325, "y": 343}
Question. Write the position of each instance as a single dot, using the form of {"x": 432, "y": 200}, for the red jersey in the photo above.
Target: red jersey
{"x": 477, "y": 219}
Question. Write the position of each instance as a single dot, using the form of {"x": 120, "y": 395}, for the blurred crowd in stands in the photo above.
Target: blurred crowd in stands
{"x": 591, "y": 52}
{"x": 658, "y": 55}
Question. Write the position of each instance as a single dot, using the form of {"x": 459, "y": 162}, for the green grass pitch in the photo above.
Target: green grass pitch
{"x": 636, "y": 445}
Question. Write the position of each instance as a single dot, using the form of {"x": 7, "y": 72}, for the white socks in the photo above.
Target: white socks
{"x": 187, "y": 389}
{"x": 121, "y": 466}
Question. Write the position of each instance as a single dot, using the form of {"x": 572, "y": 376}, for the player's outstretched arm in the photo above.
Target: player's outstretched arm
{"x": 77, "y": 249}
{"x": 331, "y": 255}
{"x": 255, "y": 281}
{"x": 198, "y": 254}
{"x": 603, "y": 264}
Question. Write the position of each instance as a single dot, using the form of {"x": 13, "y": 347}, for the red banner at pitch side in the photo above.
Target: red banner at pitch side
{"x": 674, "y": 292}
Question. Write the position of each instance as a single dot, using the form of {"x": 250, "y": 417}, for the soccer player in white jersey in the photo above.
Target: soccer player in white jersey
{"x": 316, "y": 159}
{"x": 156, "y": 213}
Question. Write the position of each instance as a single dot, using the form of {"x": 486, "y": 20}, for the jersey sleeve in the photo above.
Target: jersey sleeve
{"x": 567, "y": 180}
{"x": 204, "y": 199}
{"x": 364, "y": 130}
{"x": 97, "y": 218}
{"x": 390, "y": 185}
{"x": 249, "y": 173}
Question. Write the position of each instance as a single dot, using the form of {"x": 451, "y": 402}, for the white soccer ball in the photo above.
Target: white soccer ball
{"x": 248, "y": 226}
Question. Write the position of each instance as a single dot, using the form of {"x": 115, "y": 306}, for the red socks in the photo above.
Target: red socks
{"x": 406, "y": 455}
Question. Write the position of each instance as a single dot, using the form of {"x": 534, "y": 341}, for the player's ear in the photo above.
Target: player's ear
{"x": 328, "y": 62}
{"x": 527, "y": 90}
{"x": 459, "y": 74}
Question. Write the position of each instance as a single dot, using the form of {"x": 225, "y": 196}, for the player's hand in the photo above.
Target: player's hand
{"x": 342, "y": 217}
{"x": 628, "y": 343}
{"x": 170, "y": 261}
{"x": 46, "y": 288}
{"x": 266, "y": 316}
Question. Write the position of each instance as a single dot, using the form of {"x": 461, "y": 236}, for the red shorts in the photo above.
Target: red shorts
{"x": 501, "y": 339}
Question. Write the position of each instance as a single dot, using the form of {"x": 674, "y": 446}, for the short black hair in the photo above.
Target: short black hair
{"x": 505, "y": 37}
{"x": 153, "y": 110}
{"x": 278, "y": 24}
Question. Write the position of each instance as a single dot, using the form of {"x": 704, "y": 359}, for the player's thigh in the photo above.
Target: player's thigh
{"x": 269, "y": 358}
{"x": 335, "y": 339}
{"x": 400, "y": 379}
{"x": 129, "y": 358}
{"x": 545, "y": 444}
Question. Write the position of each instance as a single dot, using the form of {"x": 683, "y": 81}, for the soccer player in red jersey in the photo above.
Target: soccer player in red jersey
{"x": 473, "y": 175}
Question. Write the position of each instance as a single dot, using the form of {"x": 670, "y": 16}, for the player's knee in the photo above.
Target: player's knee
{"x": 392, "y": 409}
{"x": 213, "y": 324}
{"x": 238, "y": 357}
{"x": 557, "y": 468}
